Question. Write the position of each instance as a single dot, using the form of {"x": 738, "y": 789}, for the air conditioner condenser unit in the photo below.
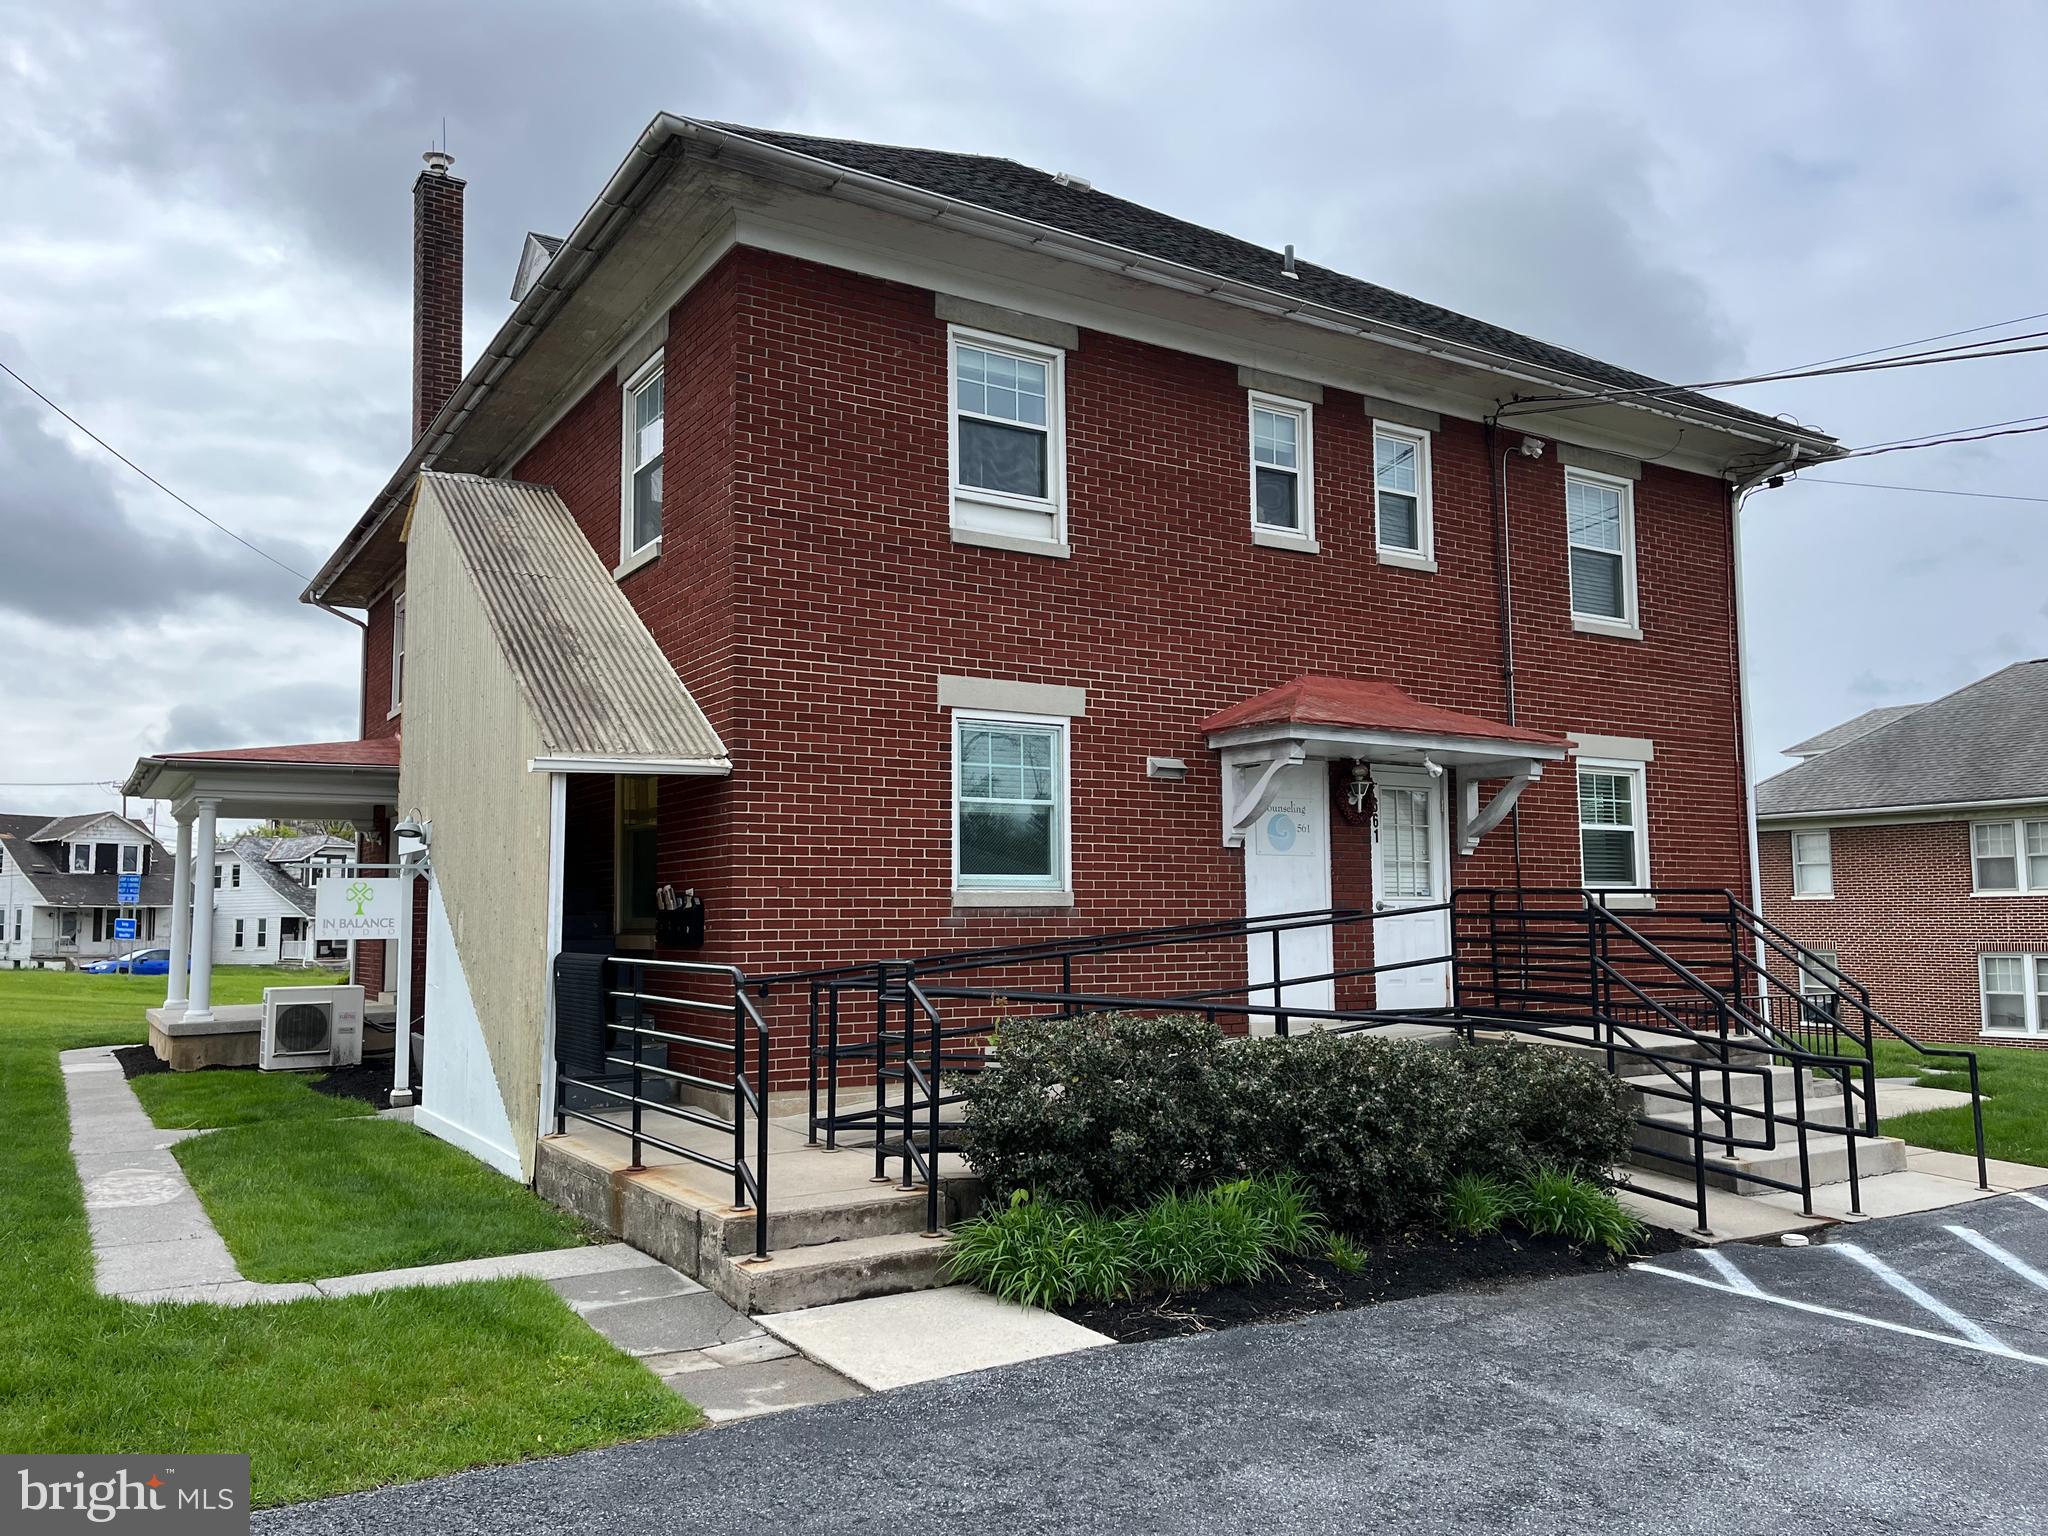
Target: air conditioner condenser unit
{"x": 311, "y": 1027}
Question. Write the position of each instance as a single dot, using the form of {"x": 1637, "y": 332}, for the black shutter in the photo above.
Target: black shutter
{"x": 99, "y": 919}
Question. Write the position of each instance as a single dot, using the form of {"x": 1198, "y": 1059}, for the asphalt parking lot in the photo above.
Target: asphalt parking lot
{"x": 1891, "y": 1379}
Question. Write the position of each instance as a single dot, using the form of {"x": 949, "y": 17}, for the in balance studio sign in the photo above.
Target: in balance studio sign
{"x": 1285, "y": 828}
{"x": 357, "y": 909}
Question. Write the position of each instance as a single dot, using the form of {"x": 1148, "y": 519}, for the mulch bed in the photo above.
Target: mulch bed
{"x": 370, "y": 1082}
{"x": 1396, "y": 1268}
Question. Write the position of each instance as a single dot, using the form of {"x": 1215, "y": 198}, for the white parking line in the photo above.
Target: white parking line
{"x": 2000, "y": 1350}
{"x": 2011, "y": 1261}
{"x": 2034, "y": 1200}
{"x": 1725, "y": 1267}
{"x": 1918, "y": 1297}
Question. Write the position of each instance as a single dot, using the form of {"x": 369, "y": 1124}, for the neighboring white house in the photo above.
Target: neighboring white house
{"x": 59, "y": 887}
{"x": 263, "y": 898}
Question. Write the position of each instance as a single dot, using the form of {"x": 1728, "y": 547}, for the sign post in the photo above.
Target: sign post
{"x": 128, "y": 895}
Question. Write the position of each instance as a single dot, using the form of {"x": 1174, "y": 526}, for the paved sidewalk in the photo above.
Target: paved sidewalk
{"x": 154, "y": 1242}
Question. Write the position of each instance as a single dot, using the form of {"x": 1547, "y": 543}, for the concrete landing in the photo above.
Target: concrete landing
{"x": 892, "y": 1341}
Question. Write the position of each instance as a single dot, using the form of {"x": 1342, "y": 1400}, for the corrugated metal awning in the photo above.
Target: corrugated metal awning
{"x": 604, "y": 696}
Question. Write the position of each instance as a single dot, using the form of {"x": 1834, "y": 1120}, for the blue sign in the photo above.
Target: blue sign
{"x": 128, "y": 892}
{"x": 124, "y": 927}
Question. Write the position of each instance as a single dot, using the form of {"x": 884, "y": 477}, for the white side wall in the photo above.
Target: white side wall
{"x": 460, "y": 1101}
{"x": 251, "y": 900}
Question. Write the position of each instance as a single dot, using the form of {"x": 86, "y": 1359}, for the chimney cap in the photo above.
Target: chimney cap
{"x": 438, "y": 161}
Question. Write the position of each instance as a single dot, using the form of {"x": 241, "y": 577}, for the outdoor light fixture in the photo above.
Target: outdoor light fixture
{"x": 413, "y": 829}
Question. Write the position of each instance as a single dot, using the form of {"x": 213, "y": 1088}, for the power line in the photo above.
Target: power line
{"x": 59, "y": 784}
{"x": 152, "y": 479}
{"x": 1939, "y": 442}
{"x": 1996, "y": 325}
{"x": 1923, "y": 490}
{"x": 1963, "y": 354}
{"x": 1985, "y": 426}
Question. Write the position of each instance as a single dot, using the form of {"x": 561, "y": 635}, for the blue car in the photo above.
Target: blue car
{"x": 137, "y": 962}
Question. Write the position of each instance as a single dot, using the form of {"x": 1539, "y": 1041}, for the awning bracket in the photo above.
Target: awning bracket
{"x": 1474, "y": 821}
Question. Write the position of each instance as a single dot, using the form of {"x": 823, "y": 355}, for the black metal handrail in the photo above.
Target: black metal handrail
{"x": 629, "y": 1003}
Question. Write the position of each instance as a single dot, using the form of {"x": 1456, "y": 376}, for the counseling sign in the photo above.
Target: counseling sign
{"x": 353, "y": 908}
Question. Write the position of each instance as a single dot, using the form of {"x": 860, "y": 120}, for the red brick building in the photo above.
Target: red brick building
{"x": 1910, "y": 847}
{"x": 1003, "y": 559}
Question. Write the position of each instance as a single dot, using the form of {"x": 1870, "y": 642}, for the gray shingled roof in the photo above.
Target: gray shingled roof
{"x": 38, "y": 860}
{"x": 1005, "y": 186}
{"x": 1850, "y": 730}
{"x": 1984, "y": 742}
{"x": 256, "y": 854}
{"x": 596, "y": 681}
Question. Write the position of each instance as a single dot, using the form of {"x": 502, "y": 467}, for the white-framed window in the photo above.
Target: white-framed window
{"x": 1401, "y": 492}
{"x": 1600, "y": 534}
{"x": 17, "y": 925}
{"x": 2012, "y": 986}
{"x": 1283, "y": 469}
{"x": 131, "y": 858}
{"x": 1813, "y": 864}
{"x": 262, "y": 933}
{"x": 235, "y": 875}
{"x": 1007, "y": 430}
{"x": 220, "y": 873}
{"x": 1816, "y": 982}
{"x": 1010, "y": 802}
{"x": 638, "y": 850}
{"x": 397, "y": 652}
{"x": 645, "y": 422}
{"x": 1614, "y": 851}
{"x": 81, "y": 858}
{"x": 238, "y": 933}
{"x": 2009, "y": 858}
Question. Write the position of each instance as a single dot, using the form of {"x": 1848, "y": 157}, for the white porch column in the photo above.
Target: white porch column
{"x": 200, "y": 1009}
{"x": 178, "y": 991}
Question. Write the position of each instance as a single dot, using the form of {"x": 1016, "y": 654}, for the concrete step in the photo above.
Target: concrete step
{"x": 807, "y": 1220}
{"x": 827, "y": 1272}
{"x": 1743, "y": 1088}
{"x": 1827, "y": 1156}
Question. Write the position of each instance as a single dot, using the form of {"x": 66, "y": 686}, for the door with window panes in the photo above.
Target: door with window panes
{"x": 1410, "y": 870}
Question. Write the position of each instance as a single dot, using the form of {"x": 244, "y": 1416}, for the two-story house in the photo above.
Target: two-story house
{"x": 896, "y": 550}
{"x": 60, "y": 880}
{"x": 1910, "y": 848}
{"x": 263, "y": 895}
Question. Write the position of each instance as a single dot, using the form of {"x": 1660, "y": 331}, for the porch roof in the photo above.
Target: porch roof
{"x": 321, "y": 780}
{"x": 1363, "y": 711}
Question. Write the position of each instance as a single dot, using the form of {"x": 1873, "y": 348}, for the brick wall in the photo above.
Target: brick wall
{"x": 1903, "y": 922}
{"x": 377, "y": 719}
{"x": 809, "y": 594}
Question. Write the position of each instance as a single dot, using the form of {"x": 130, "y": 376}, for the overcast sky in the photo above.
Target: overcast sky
{"x": 205, "y": 256}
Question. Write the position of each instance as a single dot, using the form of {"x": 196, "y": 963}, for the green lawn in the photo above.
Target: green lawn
{"x": 301, "y": 1199}
{"x": 2014, "y": 1081}
{"x": 324, "y": 1396}
{"x": 186, "y": 1100}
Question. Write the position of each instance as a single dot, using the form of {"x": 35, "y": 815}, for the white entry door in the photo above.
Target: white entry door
{"x": 1287, "y": 869}
{"x": 1410, "y": 873}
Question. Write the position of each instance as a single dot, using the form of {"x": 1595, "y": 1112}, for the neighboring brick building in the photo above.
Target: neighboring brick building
{"x": 1036, "y": 564}
{"x": 1911, "y": 848}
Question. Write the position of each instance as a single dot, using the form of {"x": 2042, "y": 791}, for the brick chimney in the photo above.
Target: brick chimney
{"x": 436, "y": 288}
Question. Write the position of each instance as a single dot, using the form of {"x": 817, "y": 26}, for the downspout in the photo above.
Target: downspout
{"x": 1738, "y": 494}
{"x": 1504, "y": 581}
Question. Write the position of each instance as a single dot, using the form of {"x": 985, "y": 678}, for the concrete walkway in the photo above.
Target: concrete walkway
{"x": 892, "y": 1341}
{"x": 153, "y": 1241}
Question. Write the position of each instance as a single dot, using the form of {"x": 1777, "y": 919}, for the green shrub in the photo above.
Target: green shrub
{"x": 1476, "y": 1204}
{"x": 1116, "y": 1110}
{"x": 1043, "y": 1253}
{"x": 1281, "y": 1201}
{"x": 1554, "y": 1202}
{"x": 1186, "y": 1242}
{"x": 1344, "y": 1255}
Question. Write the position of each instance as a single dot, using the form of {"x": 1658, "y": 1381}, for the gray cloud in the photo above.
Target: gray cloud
{"x": 284, "y": 713}
{"x": 76, "y": 556}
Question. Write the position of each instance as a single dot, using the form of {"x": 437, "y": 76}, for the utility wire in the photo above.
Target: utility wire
{"x": 1923, "y": 490}
{"x": 1939, "y": 442}
{"x": 152, "y": 479}
{"x": 1891, "y": 442}
{"x": 1996, "y": 325}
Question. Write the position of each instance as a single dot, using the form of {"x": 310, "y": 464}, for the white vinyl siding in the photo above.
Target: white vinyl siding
{"x": 1282, "y": 471}
{"x": 1600, "y": 538}
{"x": 1006, "y": 430}
{"x": 645, "y": 419}
{"x": 1813, "y": 864}
{"x": 1401, "y": 493}
{"x": 1613, "y": 850}
{"x": 1010, "y": 815}
{"x": 2012, "y": 986}
{"x": 2009, "y": 858}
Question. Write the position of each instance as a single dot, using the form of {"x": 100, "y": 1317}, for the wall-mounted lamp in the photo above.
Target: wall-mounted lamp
{"x": 418, "y": 832}
{"x": 1172, "y": 768}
